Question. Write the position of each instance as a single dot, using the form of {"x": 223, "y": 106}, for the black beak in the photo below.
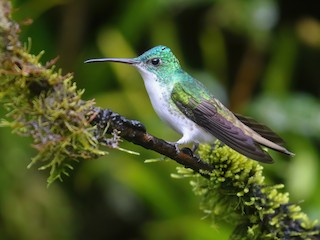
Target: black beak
{"x": 120, "y": 60}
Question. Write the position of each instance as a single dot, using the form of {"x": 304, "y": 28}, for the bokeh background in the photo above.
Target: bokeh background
{"x": 261, "y": 58}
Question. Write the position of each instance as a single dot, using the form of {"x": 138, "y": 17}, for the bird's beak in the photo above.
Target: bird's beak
{"x": 119, "y": 60}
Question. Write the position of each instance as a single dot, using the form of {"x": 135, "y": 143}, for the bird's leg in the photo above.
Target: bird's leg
{"x": 176, "y": 145}
{"x": 195, "y": 147}
{"x": 185, "y": 150}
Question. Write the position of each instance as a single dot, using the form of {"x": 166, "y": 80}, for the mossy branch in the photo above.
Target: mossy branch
{"x": 42, "y": 103}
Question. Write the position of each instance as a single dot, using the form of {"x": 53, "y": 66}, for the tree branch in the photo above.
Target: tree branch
{"x": 135, "y": 132}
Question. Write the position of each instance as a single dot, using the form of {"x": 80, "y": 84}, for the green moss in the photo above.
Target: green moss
{"x": 236, "y": 192}
{"x": 45, "y": 105}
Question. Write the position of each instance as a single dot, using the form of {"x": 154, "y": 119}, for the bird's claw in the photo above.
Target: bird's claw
{"x": 195, "y": 147}
{"x": 186, "y": 150}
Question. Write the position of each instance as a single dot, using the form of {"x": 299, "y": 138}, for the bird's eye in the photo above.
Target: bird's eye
{"x": 155, "y": 61}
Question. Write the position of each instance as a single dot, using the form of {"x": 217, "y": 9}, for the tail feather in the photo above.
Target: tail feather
{"x": 262, "y": 129}
{"x": 269, "y": 138}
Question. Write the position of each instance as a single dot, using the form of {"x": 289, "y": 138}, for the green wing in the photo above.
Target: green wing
{"x": 198, "y": 105}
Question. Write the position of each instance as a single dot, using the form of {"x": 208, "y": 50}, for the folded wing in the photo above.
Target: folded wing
{"x": 204, "y": 112}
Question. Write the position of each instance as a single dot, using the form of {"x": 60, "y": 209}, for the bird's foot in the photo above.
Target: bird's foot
{"x": 186, "y": 150}
{"x": 195, "y": 147}
{"x": 176, "y": 146}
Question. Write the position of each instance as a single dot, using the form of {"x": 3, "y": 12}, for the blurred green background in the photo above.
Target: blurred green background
{"x": 261, "y": 58}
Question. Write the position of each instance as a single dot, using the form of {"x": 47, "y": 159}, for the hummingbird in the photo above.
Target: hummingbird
{"x": 191, "y": 109}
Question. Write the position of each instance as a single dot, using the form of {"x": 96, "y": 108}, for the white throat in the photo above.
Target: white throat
{"x": 159, "y": 94}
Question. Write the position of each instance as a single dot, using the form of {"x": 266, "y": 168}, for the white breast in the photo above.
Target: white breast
{"x": 160, "y": 97}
